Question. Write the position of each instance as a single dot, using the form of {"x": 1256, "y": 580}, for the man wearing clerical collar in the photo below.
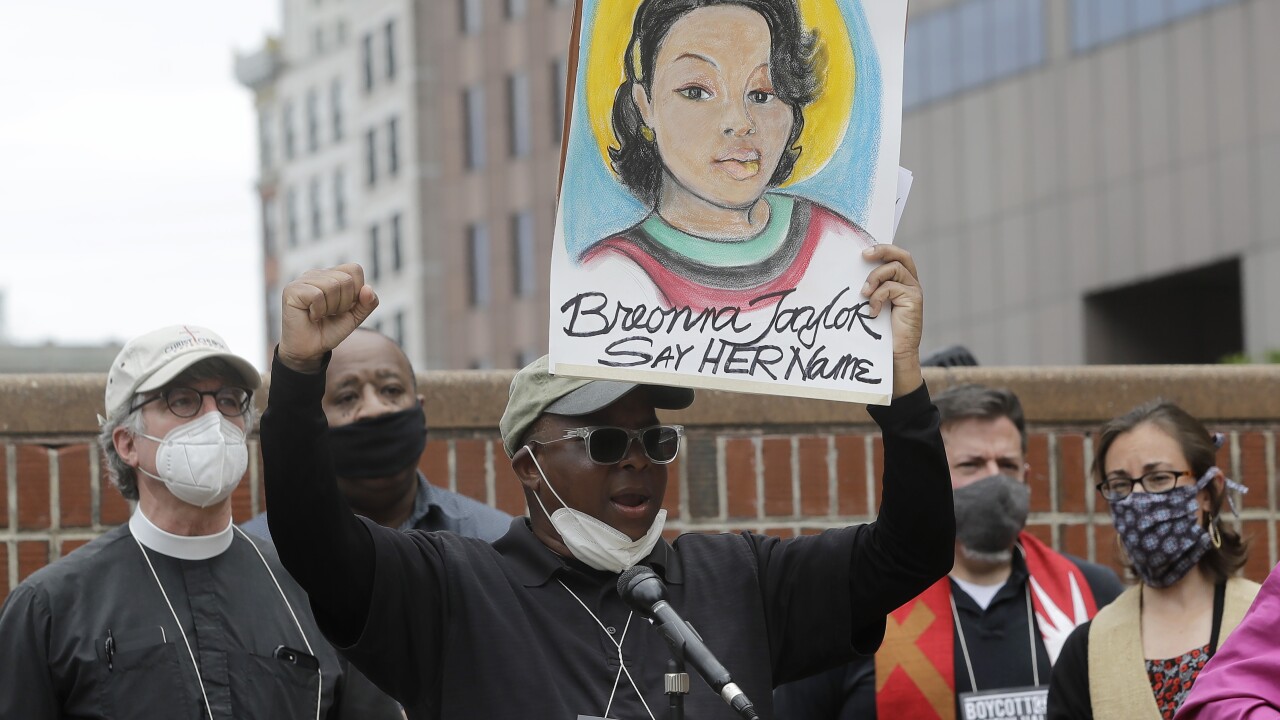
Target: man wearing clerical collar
{"x": 177, "y": 614}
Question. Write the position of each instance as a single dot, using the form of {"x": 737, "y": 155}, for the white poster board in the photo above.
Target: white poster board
{"x": 724, "y": 168}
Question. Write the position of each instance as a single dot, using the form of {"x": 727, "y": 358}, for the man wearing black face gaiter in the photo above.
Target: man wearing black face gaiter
{"x": 377, "y": 432}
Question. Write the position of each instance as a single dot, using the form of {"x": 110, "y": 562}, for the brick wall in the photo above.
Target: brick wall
{"x": 796, "y": 467}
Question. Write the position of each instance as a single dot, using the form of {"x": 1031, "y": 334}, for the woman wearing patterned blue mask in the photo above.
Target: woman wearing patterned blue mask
{"x": 1138, "y": 658}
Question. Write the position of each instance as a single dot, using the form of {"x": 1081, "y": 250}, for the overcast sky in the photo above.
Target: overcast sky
{"x": 128, "y": 153}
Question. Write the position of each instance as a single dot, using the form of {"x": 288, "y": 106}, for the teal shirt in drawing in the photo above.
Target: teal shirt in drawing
{"x": 700, "y": 273}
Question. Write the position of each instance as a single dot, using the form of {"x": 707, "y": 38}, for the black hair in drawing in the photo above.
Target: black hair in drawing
{"x": 791, "y": 67}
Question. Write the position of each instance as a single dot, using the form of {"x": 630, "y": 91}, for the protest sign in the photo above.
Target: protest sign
{"x": 725, "y": 165}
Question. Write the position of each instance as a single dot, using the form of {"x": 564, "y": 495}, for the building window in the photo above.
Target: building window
{"x": 286, "y": 121}
{"x": 317, "y": 41}
{"x": 515, "y": 9}
{"x": 559, "y": 72}
{"x": 291, "y": 215}
{"x": 313, "y": 203}
{"x": 969, "y": 44}
{"x": 371, "y": 156}
{"x": 478, "y": 265}
{"x": 397, "y": 252}
{"x": 269, "y": 223}
{"x": 264, "y": 141}
{"x": 339, "y": 200}
{"x": 375, "y": 265}
{"x": 398, "y": 326}
{"x": 1165, "y": 320}
{"x": 472, "y": 12}
{"x": 518, "y": 114}
{"x": 313, "y": 120}
{"x": 389, "y": 37}
{"x": 1098, "y": 22}
{"x": 335, "y": 107}
{"x": 366, "y": 59}
{"x": 393, "y": 146}
{"x": 473, "y": 124}
{"x": 341, "y": 32}
{"x": 522, "y": 255}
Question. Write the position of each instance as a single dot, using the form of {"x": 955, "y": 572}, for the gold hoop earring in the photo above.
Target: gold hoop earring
{"x": 1215, "y": 534}
{"x": 646, "y": 132}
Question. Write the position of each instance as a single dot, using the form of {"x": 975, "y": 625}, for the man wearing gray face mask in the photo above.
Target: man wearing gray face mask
{"x": 998, "y": 622}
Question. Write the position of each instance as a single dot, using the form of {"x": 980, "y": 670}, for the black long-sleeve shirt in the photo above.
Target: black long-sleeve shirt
{"x": 457, "y": 628}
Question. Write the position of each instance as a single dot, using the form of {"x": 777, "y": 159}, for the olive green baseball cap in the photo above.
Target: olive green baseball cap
{"x": 535, "y": 391}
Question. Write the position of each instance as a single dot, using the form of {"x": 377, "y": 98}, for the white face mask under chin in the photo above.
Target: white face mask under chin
{"x": 594, "y": 541}
{"x": 201, "y": 461}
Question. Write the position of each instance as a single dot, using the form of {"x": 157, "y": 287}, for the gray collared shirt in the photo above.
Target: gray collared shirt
{"x": 438, "y": 509}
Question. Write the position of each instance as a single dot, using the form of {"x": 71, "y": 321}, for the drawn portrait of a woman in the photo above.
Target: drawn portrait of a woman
{"x": 707, "y": 125}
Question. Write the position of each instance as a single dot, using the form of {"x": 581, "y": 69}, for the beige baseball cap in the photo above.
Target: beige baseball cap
{"x": 535, "y": 391}
{"x": 149, "y": 362}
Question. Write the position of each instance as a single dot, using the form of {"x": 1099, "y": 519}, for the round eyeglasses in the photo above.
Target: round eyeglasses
{"x": 607, "y": 445}
{"x": 186, "y": 402}
{"x": 1156, "y": 481}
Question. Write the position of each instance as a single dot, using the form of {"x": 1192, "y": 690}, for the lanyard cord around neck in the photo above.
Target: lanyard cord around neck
{"x": 622, "y": 666}
{"x": 964, "y": 646}
{"x": 196, "y": 666}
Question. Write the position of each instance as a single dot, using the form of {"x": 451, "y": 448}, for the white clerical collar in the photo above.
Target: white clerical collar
{"x": 183, "y": 547}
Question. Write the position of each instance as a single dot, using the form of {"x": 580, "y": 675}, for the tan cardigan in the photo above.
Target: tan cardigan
{"x": 1118, "y": 684}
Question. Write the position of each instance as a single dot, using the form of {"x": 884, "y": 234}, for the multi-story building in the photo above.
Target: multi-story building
{"x": 1096, "y": 180}
{"x": 420, "y": 139}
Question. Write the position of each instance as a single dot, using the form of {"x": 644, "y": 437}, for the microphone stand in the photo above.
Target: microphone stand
{"x": 643, "y": 590}
{"x": 677, "y": 682}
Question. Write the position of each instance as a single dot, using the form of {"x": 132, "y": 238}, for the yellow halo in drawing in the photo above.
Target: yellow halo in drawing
{"x": 826, "y": 118}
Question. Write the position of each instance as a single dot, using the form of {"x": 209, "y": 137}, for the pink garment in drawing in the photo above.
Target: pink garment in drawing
{"x": 1243, "y": 679}
{"x": 681, "y": 282}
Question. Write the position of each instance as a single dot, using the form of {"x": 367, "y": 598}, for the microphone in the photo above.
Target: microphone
{"x": 642, "y": 589}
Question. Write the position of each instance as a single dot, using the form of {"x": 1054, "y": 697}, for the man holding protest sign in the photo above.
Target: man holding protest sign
{"x": 453, "y": 627}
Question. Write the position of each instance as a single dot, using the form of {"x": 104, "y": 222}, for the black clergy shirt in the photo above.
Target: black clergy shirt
{"x": 999, "y": 638}
{"x": 55, "y": 627}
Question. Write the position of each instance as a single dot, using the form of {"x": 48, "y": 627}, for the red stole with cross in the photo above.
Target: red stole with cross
{"x": 915, "y": 665}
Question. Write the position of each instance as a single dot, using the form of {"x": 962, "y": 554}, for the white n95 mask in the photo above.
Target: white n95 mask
{"x": 595, "y": 542}
{"x": 202, "y": 461}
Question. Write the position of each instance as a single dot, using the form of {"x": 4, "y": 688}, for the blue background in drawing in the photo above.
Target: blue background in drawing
{"x": 596, "y": 206}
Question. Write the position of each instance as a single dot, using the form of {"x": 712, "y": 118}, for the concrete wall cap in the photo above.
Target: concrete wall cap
{"x": 58, "y": 404}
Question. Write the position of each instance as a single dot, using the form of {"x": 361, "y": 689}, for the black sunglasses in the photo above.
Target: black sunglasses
{"x": 607, "y": 445}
